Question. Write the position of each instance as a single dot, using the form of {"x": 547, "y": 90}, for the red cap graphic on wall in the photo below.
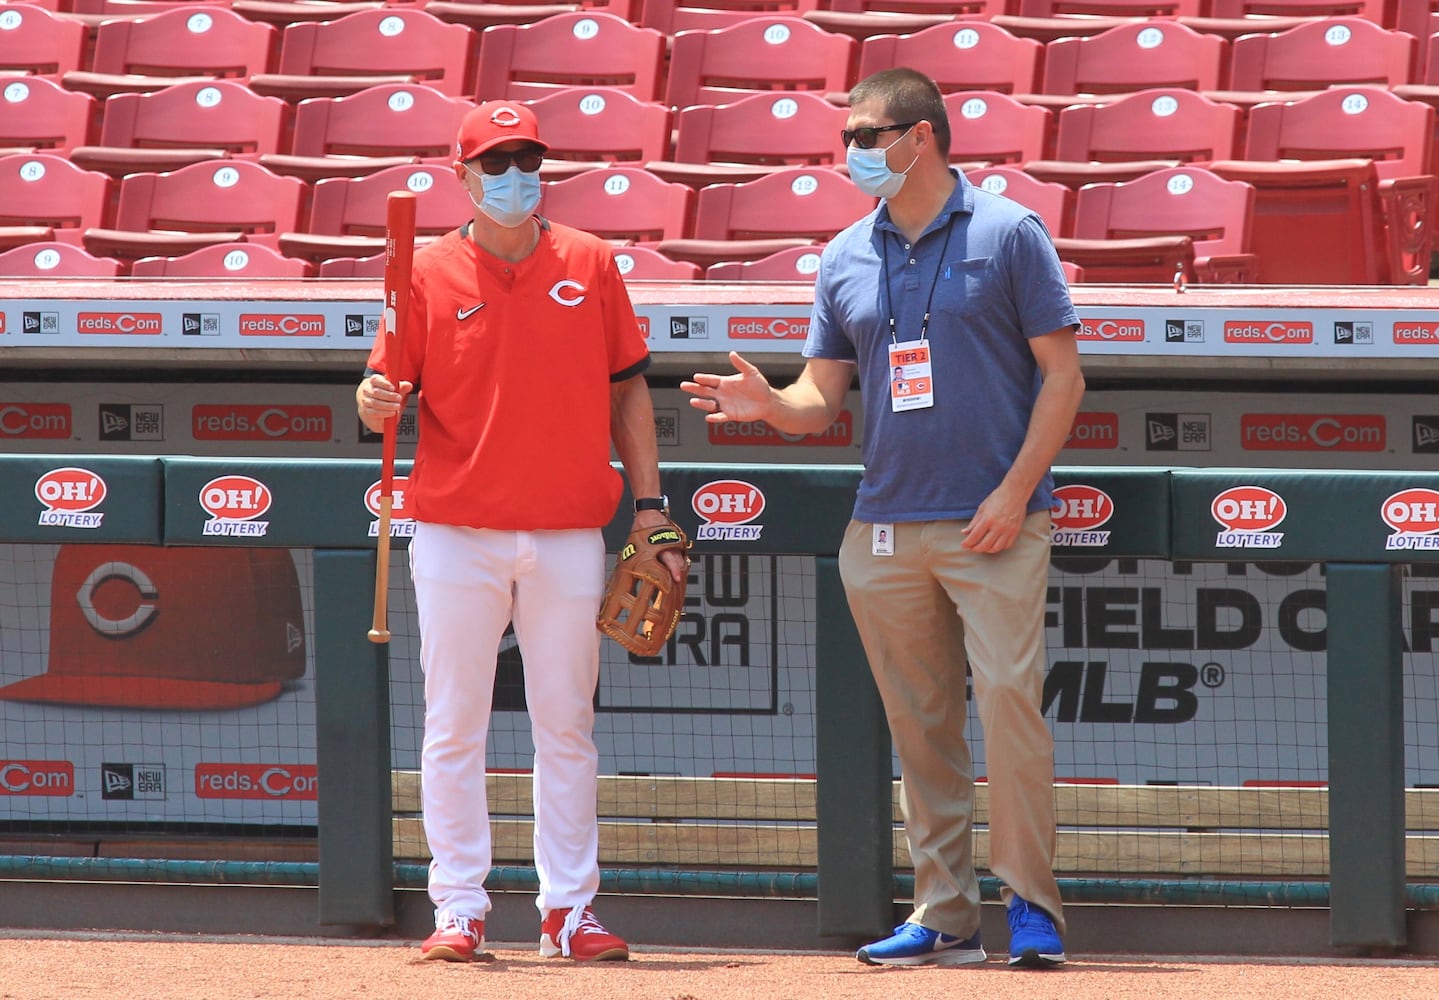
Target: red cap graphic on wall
{"x": 138, "y": 626}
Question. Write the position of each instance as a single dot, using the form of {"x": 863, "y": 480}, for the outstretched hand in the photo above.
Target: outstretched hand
{"x": 745, "y": 395}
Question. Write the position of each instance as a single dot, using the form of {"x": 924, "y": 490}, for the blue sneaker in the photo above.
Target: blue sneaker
{"x": 1033, "y": 941}
{"x": 914, "y": 944}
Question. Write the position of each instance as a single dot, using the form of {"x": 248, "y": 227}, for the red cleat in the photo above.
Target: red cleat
{"x": 458, "y": 939}
{"x": 575, "y": 933}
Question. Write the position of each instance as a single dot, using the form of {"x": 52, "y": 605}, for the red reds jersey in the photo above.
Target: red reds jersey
{"x": 513, "y": 364}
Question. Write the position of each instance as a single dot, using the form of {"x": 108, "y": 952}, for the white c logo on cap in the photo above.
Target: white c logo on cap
{"x": 115, "y": 628}
{"x": 505, "y": 117}
{"x": 560, "y": 287}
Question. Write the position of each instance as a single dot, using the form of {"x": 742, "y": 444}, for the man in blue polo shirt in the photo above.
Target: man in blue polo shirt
{"x": 957, "y": 296}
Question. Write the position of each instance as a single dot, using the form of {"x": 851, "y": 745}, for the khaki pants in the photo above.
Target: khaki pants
{"x": 905, "y": 606}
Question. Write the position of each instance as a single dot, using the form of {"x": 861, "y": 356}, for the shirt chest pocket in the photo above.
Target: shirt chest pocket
{"x": 967, "y": 286}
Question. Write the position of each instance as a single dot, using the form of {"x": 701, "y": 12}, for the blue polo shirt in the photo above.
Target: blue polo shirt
{"x": 990, "y": 278}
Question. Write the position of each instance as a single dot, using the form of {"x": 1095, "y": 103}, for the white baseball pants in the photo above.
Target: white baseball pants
{"x": 469, "y": 584}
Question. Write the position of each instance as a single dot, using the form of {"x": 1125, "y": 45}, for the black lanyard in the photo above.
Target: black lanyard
{"x": 889, "y": 296}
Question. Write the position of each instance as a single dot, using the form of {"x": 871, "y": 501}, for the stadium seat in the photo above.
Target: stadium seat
{"x": 758, "y": 55}
{"x": 477, "y": 15}
{"x": 1054, "y": 203}
{"x": 39, "y": 114}
{"x": 794, "y": 264}
{"x": 224, "y": 260}
{"x": 966, "y": 55}
{"x": 147, "y": 53}
{"x": 1364, "y": 122}
{"x": 347, "y": 214}
{"x": 795, "y": 206}
{"x": 864, "y": 19}
{"x": 586, "y": 48}
{"x": 1136, "y": 133}
{"x": 670, "y": 17}
{"x": 1371, "y": 10}
{"x": 1134, "y": 57}
{"x": 1316, "y": 223}
{"x": 283, "y": 13}
{"x": 183, "y": 124}
{"x": 992, "y": 128}
{"x": 36, "y": 42}
{"x": 1217, "y": 215}
{"x": 372, "y": 266}
{"x": 593, "y": 126}
{"x": 753, "y": 136}
{"x": 1321, "y": 54}
{"x": 646, "y": 264}
{"x": 381, "y": 126}
{"x": 224, "y": 201}
{"x": 43, "y": 196}
{"x": 1111, "y": 8}
{"x": 359, "y": 50}
{"x": 621, "y": 203}
{"x": 56, "y": 260}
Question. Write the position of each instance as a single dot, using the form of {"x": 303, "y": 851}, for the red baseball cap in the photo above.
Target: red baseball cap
{"x": 494, "y": 122}
{"x": 139, "y": 626}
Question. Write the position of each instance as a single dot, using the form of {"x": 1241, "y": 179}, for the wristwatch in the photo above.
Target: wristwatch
{"x": 659, "y": 503}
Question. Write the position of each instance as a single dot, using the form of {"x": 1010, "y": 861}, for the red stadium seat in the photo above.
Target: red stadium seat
{"x": 481, "y": 14}
{"x": 1054, "y": 203}
{"x": 37, "y": 42}
{"x": 223, "y": 201}
{"x": 1134, "y": 57}
{"x": 381, "y": 126}
{"x": 758, "y": 55}
{"x": 994, "y": 128}
{"x": 865, "y": 19}
{"x": 1110, "y": 8}
{"x": 590, "y": 126}
{"x": 56, "y": 260}
{"x": 372, "y": 266}
{"x": 966, "y": 55}
{"x": 1136, "y": 133}
{"x": 147, "y": 53}
{"x": 1216, "y": 214}
{"x": 791, "y": 207}
{"x": 754, "y": 136}
{"x": 1364, "y": 122}
{"x": 1321, "y": 54}
{"x": 183, "y": 124}
{"x": 794, "y": 264}
{"x": 673, "y": 16}
{"x": 224, "y": 260}
{"x": 621, "y": 203}
{"x": 359, "y": 50}
{"x": 1371, "y": 10}
{"x": 43, "y": 196}
{"x": 586, "y": 48}
{"x": 39, "y": 114}
{"x": 347, "y": 214}
{"x": 646, "y": 264}
{"x": 1316, "y": 223}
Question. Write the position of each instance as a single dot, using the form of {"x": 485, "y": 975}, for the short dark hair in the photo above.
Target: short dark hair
{"x": 906, "y": 95}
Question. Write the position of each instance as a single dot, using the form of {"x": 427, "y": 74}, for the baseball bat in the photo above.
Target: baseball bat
{"x": 399, "y": 254}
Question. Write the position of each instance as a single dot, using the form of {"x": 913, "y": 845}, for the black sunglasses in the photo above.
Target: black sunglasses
{"x": 496, "y": 161}
{"x": 867, "y": 135}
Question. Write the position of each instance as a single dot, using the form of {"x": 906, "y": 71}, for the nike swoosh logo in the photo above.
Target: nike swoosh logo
{"x": 464, "y": 314}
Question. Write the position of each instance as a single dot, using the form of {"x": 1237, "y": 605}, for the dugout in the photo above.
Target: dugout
{"x": 1136, "y": 603}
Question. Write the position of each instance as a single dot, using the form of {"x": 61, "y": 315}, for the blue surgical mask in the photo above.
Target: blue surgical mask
{"x": 869, "y": 169}
{"x": 510, "y": 198}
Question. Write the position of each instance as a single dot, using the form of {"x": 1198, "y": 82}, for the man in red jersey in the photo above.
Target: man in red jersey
{"x": 528, "y": 362}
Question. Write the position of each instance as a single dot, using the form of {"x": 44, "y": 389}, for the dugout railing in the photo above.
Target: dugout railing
{"x": 1364, "y": 527}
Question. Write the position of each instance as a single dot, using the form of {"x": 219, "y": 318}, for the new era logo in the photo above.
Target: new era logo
{"x": 1176, "y": 432}
{"x": 1347, "y": 332}
{"x": 132, "y": 781}
{"x": 200, "y": 324}
{"x": 689, "y": 327}
{"x": 1184, "y": 331}
{"x": 1426, "y": 435}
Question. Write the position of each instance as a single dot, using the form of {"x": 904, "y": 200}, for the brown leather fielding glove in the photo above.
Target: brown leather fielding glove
{"x": 642, "y": 600}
